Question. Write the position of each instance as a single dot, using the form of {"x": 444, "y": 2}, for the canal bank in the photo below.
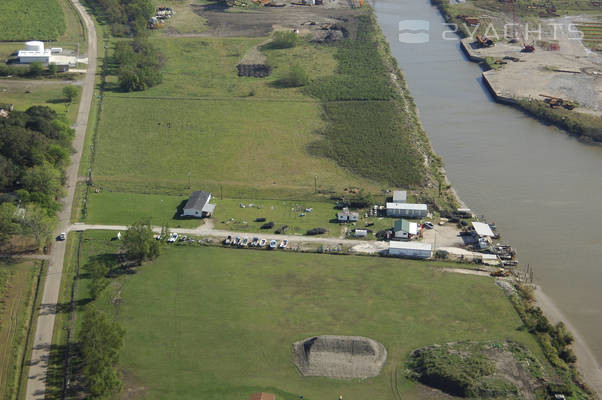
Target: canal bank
{"x": 542, "y": 188}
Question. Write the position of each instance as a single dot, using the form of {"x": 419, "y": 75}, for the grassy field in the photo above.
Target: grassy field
{"x": 17, "y": 285}
{"x": 216, "y": 323}
{"x": 235, "y": 143}
{"x": 40, "y": 94}
{"x": 127, "y": 208}
{"x": 28, "y": 20}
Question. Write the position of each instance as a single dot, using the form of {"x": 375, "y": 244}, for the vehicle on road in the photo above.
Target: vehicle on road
{"x": 172, "y": 238}
{"x": 283, "y": 244}
{"x": 62, "y": 236}
{"x": 273, "y": 244}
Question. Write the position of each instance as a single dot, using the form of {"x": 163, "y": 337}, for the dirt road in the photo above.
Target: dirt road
{"x": 36, "y": 380}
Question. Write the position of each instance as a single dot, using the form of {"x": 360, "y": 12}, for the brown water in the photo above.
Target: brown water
{"x": 542, "y": 188}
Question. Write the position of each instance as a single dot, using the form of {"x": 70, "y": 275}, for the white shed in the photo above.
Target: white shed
{"x": 410, "y": 249}
{"x": 198, "y": 205}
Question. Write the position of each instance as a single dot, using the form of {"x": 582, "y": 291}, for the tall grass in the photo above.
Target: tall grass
{"x": 368, "y": 129}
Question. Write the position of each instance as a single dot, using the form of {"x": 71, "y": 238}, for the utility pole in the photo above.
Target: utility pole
{"x": 189, "y": 179}
{"x": 315, "y": 183}
{"x": 221, "y": 191}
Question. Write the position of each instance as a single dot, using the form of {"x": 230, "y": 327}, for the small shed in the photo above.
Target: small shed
{"x": 408, "y": 210}
{"x": 410, "y": 249}
{"x": 405, "y": 229}
{"x": 400, "y": 196}
{"x": 198, "y": 205}
{"x": 262, "y": 396}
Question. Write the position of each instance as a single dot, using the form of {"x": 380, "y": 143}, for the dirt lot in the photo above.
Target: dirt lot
{"x": 259, "y": 22}
{"x": 572, "y": 72}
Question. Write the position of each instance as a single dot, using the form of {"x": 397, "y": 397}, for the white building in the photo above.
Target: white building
{"x": 400, "y": 196}
{"x": 360, "y": 233}
{"x": 410, "y": 249}
{"x": 407, "y": 210}
{"x": 34, "y": 51}
{"x": 347, "y": 216}
{"x": 198, "y": 205}
{"x": 482, "y": 230}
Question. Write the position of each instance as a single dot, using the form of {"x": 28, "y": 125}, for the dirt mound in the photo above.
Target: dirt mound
{"x": 339, "y": 356}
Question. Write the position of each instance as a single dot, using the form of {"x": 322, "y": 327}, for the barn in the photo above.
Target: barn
{"x": 198, "y": 205}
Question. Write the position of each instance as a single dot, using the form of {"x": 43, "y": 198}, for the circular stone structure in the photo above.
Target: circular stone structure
{"x": 339, "y": 356}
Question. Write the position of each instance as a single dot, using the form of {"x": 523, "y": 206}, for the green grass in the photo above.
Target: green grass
{"x": 127, "y": 208}
{"x": 16, "y": 297}
{"x": 50, "y": 95}
{"x": 223, "y": 324}
{"x": 29, "y": 20}
{"x": 253, "y": 144}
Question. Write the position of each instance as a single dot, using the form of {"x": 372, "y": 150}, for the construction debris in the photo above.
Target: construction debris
{"x": 555, "y": 102}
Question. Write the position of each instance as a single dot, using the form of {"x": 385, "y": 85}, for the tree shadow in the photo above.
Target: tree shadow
{"x": 57, "y": 101}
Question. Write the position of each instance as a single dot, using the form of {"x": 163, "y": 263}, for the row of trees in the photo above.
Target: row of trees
{"x": 127, "y": 16}
{"x": 139, "y": 64}
{"x": 101, "y": 339}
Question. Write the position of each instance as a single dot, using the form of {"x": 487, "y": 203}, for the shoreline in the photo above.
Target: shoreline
{"x": 587, "y": 365}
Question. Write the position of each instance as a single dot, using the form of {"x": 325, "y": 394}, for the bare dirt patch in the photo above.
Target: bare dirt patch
{"x": 339, "y": 356}
{"x": 260, "y": 22}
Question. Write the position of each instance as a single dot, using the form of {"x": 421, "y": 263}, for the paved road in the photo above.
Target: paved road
{"x": 36, "y": 381}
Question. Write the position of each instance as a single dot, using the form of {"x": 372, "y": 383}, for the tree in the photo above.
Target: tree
{"x": 284, "y": 40}
{"x": 100, "y": 342}
{"x": 38, "y": 223}
{"x": 52, "y": 69}
{"x": 98, "y": 271}
{"x": 70, "y": 92}
{"x": 35, "y": 69}
{"x": 139, "y": 243}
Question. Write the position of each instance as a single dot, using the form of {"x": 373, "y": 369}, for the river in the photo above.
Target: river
{"x": 542, "y": 188}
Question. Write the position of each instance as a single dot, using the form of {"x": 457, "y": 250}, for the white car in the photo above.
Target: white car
{"x": 273, "y": 244}
{"x": 262, "y": 243}
{"x": 244, "y": 242}
{"x": 172, "y": 238}
{"x": 283, "y": 244}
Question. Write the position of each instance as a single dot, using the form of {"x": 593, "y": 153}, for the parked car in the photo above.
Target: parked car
{"x": 62, "y": 236}
{"x": 262, "y": 243}
{"x": 429, "y": 225}
{"x": 245, "y": 242}
{"x": 182, "y": 238}
{"x": 255, "y": 241}
{"x": 283, "y": 244}
{"x": 273, "y": 244}
{"x": 172, "y": 238}
{"x": 228, "y": 240}
{"x": 236, "y": 241}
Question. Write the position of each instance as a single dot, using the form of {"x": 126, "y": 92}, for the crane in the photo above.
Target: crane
{"x": 527, "y": 47}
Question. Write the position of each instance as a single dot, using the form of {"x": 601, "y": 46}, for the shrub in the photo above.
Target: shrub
{"x": 295, "y": 77}
{"x": 284, "y": 40}
{"x": 317, "y": 231}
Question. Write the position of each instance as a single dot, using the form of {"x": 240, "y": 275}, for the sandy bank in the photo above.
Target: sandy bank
{"x": 586, "y": 363}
